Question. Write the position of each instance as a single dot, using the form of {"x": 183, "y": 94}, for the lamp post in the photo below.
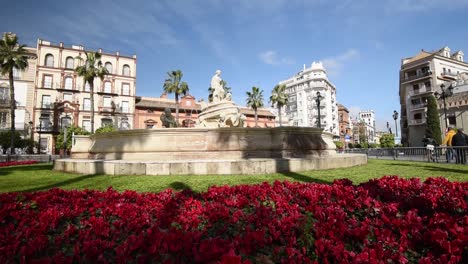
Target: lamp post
{"x": 444, "y": 94}
{"x": 317, "y": 100}
{"x": 395, "y": 117}
{"x": 31, "y": 147}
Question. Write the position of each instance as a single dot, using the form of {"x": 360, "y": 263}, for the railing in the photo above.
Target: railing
{"x": 418, "y": 106}
{"x": 437, "y": 154}
{"x": 421, "y": 91}
{"x": 417, "y": 76}
{"x": 416, "y": 122}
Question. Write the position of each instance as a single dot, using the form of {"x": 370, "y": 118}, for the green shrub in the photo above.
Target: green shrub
{"x": 105, "y": 129}
{"x": 338, "y": 144}
{"x": 387, "y": 141}
{"x": 350, "y": 145}
{"x": 70, "y": 131}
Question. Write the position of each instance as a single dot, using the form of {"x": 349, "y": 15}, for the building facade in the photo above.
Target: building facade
{"x": 302, "y": 108}
{"x": 420, "y": 77}
{"x": 367, "y": 118}
{"x": 345, "y": 124}
{"x": 24, "y": 94}
{"x": 148, "y": 112}
{"x": 61, "y": 98}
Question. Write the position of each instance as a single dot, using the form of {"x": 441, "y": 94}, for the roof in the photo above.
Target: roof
{"x": 421, "y": 55}
{"x": 457, "y": 97}
{"x": 154, "y": 102}
{"x": 260, "y": 111}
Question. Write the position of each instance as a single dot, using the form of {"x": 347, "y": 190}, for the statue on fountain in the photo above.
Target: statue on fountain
{"x": 167, "y": 119}
{"x": 221, "y": 112}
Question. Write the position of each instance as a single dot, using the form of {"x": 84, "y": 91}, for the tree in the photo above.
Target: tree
{"x": 255, "y": 101}
{"x": 279, "y": 98}
{"x": 226, "y": 88}
{"x": 5, "y": 140}
{"x": 12, "y": 56}
{"x": 91, "y": 69}
{"x": 433, "y": 121}
{"x": 174, "y": 85}
{"x": 70, "y": 131}
{"x": 387, "y": 141}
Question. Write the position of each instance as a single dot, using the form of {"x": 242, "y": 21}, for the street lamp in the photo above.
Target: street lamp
{"x": 32, "y": 138}
{"x": 317, "y": 100}
{"x": 443, "y": 95}
{"x": 395, "y": 117}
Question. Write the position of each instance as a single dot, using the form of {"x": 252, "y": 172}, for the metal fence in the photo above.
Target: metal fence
{"x": 436, "y": 154}
{"x": 38, "y": 158}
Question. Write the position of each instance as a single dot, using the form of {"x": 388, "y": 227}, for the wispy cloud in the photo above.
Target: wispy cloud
{"x": 423, "y": 5}
{"x": 335, "y": 64}
{"x": 271, "y": 57}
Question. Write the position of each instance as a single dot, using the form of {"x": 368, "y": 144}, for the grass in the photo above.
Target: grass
{"x": 41, "y": 177}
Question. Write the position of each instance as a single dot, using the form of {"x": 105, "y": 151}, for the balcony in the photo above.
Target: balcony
{"x": 107, "y": 109}
{"x": 46, "y": 106}
{"x": 417, "y": 106}
{"x": 417, "y": 76}
{"x": 450, "y": 75}
{"x": 420, "y": 91}
{"x": 107, "y": 92}
{"x": 4, "y": 102}
{"x": 62, "y": 88}
{"x": 417, "y": 122}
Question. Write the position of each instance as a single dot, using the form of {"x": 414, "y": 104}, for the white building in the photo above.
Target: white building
{"x": 420, "y": 77}
{"x": 302, "y": 109}
{"x": 368, "y": 119}
{"x": 24, "y": 90}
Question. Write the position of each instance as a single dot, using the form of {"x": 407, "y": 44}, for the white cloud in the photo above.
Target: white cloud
{"x": 335, "y": 64}
{"x": 271, "y": 57}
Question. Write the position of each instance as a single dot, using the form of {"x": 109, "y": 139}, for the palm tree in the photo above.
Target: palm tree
{"x": 174, "y": 85}
{"x": 91, "y": 69}
{"x": 12, "y": 56}
{"x": 279, "y": 98}
{"x": 255, "y": 100}
{"x": 226, "y": 88}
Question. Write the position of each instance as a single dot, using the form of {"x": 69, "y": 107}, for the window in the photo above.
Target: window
{"x": 124, "y": 125}
{"x": 47, "y": 81}
{"x": 46, "y": 101}
{"x": 107, "y": 101}
{"x": 68, "y": 97}
{"x": 49, "y": 60}
{"x": 427, "y": 84}
{"x": 4, "y": 119}
{"x": 107, "y": 87}
{"x": 44, "y": 122}
{"x": 108, "y": 66}
{"x": 4, "y": 95}
{"x": 452, "y": 120}
{"x": 16, "y": 74}
{"x": 87, "y": 125}
{"x": 68, "y": 83}
{"x": 66, "y": 122}
{"x": 125, "y": 107}
{"x": 149, "y": 126}
{"x": 416, "y": 87}
{"x": 86, "y": 104}
{"x": 126, "y": 70}
{"x": 125, "y": 89}
{"x": 43, "y": 143}
{"x": 87, "y": 88}
{"x": 106, "y": 122}
{"x": 418, "y": 116}
{"x": 69, "y": 63}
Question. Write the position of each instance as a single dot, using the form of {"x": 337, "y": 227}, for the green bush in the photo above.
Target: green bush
{"x": 358, "y": 145}
{"x": 105, "y": 129}
{"x": 5, "y": 140}
{"x": 338, "y": 144}
{"x": 350, "y": 145}
{"x": 387, "y": 141}
{"x": 70, "y": 131}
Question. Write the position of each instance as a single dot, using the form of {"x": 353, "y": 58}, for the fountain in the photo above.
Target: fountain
{"x": 219, "y": 144}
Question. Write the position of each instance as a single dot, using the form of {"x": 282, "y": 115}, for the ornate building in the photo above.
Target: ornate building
{"x": 302, "y": 109}
{"x": 62, "y": 99}
{"x": 346, "y": 127}
{"x": 24, "y": 94}
{"x": 420, "y": 77}
{"x": 148, "y": 112}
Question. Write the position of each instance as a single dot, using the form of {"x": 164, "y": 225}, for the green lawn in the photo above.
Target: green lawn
{"x": 41, "y": 177}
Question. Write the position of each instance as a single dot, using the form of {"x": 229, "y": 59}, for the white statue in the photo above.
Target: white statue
{"x": 218, "y": 90}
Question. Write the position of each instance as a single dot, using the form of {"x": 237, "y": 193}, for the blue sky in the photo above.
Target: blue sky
{"x": 255, "y": 42}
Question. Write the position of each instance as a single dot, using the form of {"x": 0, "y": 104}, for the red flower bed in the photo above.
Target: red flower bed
{"x": 15, "y": 163}
{"x": 390, "y": 220}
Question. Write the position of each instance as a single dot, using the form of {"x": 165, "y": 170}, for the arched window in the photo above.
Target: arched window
{"x": 107, "y": 87}
{"x": 108, "y": 66}
{"x": 126, "y": 70}
{"x": 68, "y": 83}
{"x": 49, "y": 60}
{"x": 69, "y": 63}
